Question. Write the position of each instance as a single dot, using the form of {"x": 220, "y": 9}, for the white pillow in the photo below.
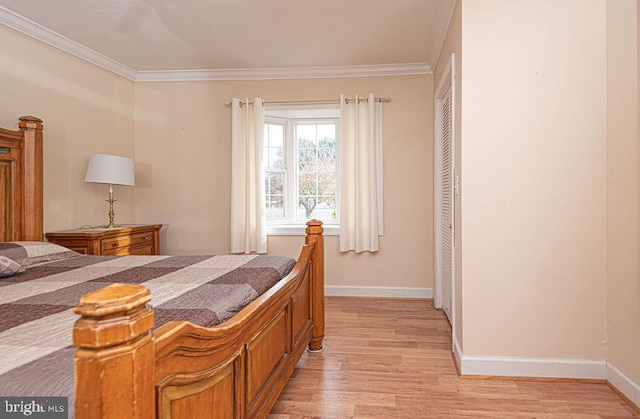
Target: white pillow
{"x": 32, "y": 253}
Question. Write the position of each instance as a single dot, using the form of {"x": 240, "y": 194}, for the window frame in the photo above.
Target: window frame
{"x": 289, "y": 225}
{"x": 315, "y": 121}
{"x": 285, "y": 123}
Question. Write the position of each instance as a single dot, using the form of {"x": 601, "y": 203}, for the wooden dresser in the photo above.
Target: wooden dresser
{"x": 131, "y": 239}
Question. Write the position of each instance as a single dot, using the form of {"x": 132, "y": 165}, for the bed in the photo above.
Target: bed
{"x": 135, "y": 357}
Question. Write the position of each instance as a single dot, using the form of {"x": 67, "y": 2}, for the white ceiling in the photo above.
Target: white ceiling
{"x": 240, "y": 38}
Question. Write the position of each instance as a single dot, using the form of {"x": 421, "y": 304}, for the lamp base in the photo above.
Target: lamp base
{"x": 111, "y": 224}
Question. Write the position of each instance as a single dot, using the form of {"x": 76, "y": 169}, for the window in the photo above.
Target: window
{"x": 301, "y": 166}
{"x": 275, "y": 173}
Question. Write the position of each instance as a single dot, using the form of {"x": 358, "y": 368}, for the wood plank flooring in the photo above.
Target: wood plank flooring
{"x": 391, "y": 358}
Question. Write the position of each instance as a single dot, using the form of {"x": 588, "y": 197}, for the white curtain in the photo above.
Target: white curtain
{"x": 248, "y": 218}
{"x": 361, "y": 174}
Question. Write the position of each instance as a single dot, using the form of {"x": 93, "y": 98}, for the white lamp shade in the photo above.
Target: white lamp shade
{"x": 114, "y": 170}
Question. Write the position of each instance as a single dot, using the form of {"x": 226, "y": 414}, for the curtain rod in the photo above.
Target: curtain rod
{"x": 347, "y": 100}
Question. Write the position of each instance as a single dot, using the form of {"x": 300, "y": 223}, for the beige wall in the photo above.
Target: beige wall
{"x": 623, "y": 188}
{"x": 85, "y": 110}
{"x": 533, "y": 178}
{"x": 183, "y": 135}
{"x": 453, "y": 45}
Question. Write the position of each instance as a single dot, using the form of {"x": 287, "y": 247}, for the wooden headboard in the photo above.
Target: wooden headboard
{"x": 21, "y": 181}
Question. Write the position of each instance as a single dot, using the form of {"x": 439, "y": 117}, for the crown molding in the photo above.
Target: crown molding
{"x": 41, "y": 33}
{"x": 56, "y": 40}
{"x": 285, "y": 73}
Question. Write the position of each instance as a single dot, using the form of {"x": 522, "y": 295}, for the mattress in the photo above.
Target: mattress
{"x": 36, "y": 302}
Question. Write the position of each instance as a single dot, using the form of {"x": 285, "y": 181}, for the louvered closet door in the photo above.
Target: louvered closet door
{"x": 446, "y": 226}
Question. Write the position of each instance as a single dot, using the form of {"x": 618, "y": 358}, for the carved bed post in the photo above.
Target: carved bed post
{"x": 314, "y": 235}
{"x": 115, "y": 358}
{"x": 31, "y": 128}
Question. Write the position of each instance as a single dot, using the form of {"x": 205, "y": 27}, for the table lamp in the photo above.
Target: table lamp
{"x": 113, "y": 170}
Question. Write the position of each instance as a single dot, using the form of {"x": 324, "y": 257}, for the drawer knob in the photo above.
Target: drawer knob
{"x": 146, "y": 237}
{"x": 115, "y": 244}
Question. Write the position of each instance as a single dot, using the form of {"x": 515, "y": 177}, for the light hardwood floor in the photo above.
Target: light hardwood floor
{"x": 391, "y": 358}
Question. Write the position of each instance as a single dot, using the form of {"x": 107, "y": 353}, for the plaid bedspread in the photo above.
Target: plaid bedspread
{"x": 36, "y": 316}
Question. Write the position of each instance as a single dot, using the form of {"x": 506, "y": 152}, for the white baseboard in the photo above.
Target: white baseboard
{"x": 623, "y": 383}
{"x": 529, "y": 367}
{"x": 457, "y": 353}
{"x": 533, "y": 367}
{"x": 390, "y": 292}
{"x": 547, "y": 368}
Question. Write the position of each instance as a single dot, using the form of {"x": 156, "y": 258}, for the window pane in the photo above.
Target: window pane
{"x": 307, "y": 205}
{"x": 327, "y": 184}
{"x": 327, "y": 209}
{"x": 307, "y": 160}
{"x": 276, "y": 135}
{"x": 320, "y": 208}
{"x": 275, "y": 158}
{"x": 275, "y": 209}
{"x": 327, "y": 135}
{"x": 307, "y": 184}
{"x": 275, "y": 196}
{"x": 327, "y": 159}
{"x": 274, "y": 146}
{"x": 275, "y": 184}
{"x": 316, "y": 171}
{"x": 306, "y": 134}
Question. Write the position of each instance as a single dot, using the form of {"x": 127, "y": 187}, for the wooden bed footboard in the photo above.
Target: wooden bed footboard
{"x": 180, "y": 370}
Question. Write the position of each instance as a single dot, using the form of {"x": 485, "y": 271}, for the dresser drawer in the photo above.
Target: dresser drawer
{"x": 114, "y": 243}
{"x": 140, "y": 249}
{"x": 130, "y": 239}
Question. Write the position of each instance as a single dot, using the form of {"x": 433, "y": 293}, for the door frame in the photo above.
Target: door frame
{"x": 447, "y": 81}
